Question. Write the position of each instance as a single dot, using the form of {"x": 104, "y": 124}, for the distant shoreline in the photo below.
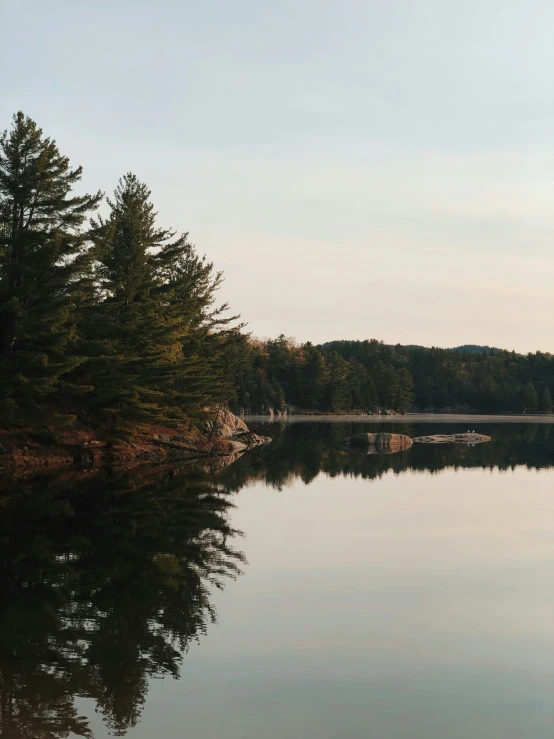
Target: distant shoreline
{"x": 414, "y": 417}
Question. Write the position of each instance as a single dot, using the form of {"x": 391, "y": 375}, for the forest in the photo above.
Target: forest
{"x": 370, "y": 376}
{"x": 108, "y": 318}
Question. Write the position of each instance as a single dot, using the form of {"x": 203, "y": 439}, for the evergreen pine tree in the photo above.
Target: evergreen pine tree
{"x": 338, "y": 382}
{"x": 314, "y": 377}
{"x": 154, "y": 338}
{"x": 43, "y": 262}
{"x": 546, "y": 401}
{"x": 404, "y": 395}
{"x": 530, "y": 397}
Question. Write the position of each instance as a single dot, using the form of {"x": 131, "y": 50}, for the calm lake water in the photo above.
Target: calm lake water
{"x": 303, "y": 591}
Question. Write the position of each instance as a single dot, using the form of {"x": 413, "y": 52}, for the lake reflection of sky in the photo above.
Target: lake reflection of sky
{"x": 415, "y": 606}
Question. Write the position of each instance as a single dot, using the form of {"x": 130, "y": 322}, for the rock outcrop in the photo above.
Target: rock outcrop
{"x": 381, "y": 441}
{"x": 470, "y": 437}
{"x": 224, "y": 434}
{"x": 233, "y": 432}
{"x": 225, "y": 424}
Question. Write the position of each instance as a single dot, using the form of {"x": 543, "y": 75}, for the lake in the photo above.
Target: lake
{"x": 306, "y": 590}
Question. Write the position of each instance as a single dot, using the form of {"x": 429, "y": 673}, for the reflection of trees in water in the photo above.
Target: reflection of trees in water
{"x": 304, "y": 450}
{"x": 105, "y": 583}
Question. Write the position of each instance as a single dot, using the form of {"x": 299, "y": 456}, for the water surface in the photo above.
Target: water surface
{"x": 304, "y": 591}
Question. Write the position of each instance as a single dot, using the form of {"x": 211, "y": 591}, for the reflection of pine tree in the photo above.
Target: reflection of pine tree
{"x": 104, "y": 585}
{"x": 38, "y": 704}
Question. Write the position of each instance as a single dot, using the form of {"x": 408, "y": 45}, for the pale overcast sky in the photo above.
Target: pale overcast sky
{"x": 358, "y": 169}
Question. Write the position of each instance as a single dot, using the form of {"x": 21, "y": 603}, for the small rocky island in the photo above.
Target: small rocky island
{"x": 383, "y": 443}
{"x": 470, "y": 437}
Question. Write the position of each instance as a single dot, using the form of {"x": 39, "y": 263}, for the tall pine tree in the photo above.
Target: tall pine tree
{"x": 546, "y": 401}
{"x": 43, "y": 262}
{"x": 153, "y": 336}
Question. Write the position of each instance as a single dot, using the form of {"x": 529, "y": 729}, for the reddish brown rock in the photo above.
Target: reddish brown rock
{"x": 225, "y": 424}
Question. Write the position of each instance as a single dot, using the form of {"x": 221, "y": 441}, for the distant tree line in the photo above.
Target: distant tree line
{"x": 371, "y": 376}
{"x": 104, "y": 319}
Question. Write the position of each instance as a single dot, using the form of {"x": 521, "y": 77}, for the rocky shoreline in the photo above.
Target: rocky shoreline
{"x": 30, "y": 450}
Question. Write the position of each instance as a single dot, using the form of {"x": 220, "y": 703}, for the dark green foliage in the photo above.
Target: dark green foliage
{"x": 488, "y": 382}
{"x": 278, "y": 374}
{"x": 43, "y": 262}
{"x": 546, "y": 401}
{"x": 337, "y": 387}
{"x": 530, "y": 398}
{"x": 370, "y": 375}
{"x": 110, "y": 320}
{"x": 153, "y": 338}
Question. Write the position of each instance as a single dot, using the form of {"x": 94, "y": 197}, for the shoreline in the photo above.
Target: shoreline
{"x": 79, "y": 447}
{"x": 94, "y": 455}
{"x": 408, "y": 417}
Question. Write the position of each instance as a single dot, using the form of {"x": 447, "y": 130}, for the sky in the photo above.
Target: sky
{"x": 358, "y": 169}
